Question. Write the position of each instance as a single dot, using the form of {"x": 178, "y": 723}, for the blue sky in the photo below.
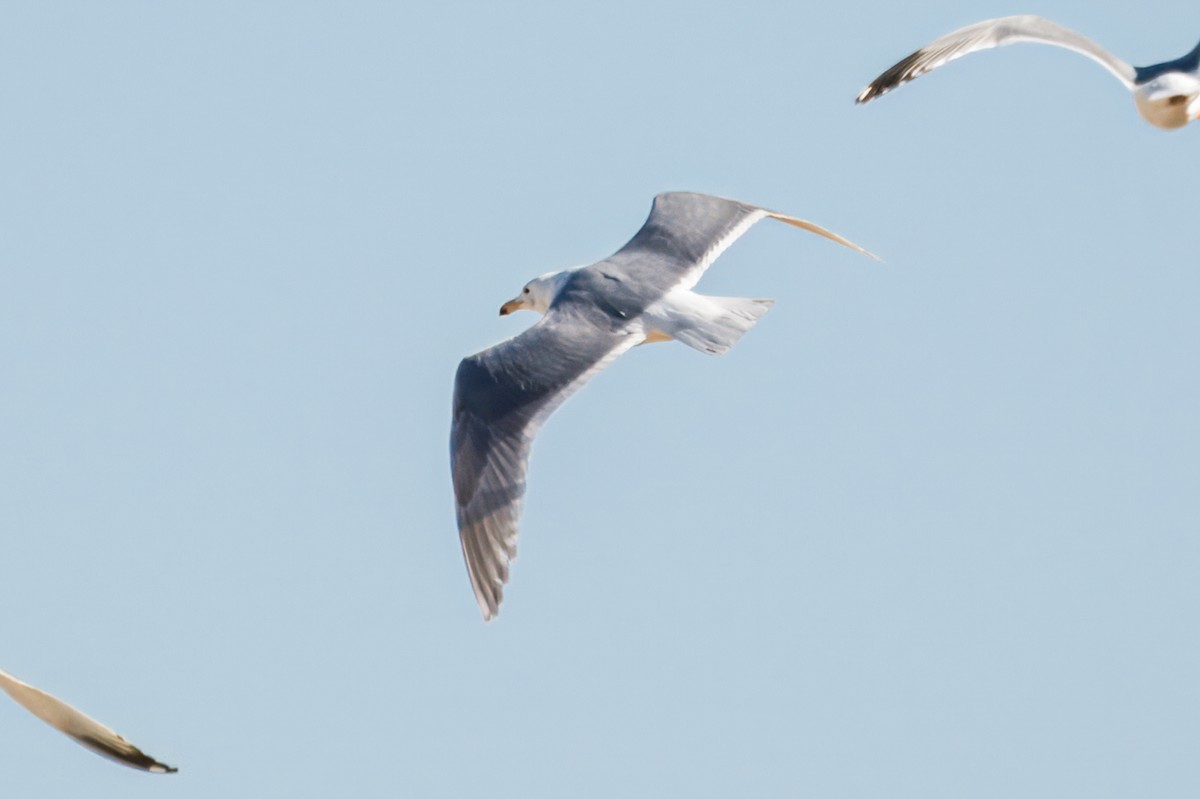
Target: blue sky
{"x": 929, "y": 530}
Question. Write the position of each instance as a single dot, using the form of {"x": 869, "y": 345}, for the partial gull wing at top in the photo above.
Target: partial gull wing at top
{"x": 503, "y": 395}
{"x": 80, "y": 726}
{"x": 986, "y": 35}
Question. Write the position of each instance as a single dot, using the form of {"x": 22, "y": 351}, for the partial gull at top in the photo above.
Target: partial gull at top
{"x": 83, "y": 728}
{"x": 591, "y": 315}
{"x": 1167, "y": 95}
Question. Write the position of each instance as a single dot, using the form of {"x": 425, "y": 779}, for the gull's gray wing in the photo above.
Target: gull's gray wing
{"x": 83, "y": 728}
{"x": 501, "y": 397}
{"x": 986, "y": 35}
{"x": 684, "y": 234}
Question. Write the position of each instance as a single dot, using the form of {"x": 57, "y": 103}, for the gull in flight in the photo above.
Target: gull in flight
{"x": 1167, "y": 95}
{"x": 83, "y": 728}
{"x": 591, "y": 315}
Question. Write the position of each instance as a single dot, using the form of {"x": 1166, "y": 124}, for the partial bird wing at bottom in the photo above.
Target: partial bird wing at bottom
{"x": 83, "y": 728}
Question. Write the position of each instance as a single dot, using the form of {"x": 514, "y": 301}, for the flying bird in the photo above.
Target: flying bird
{"x": 83, "y": 728}
{"x": 1167, "y": 95}
{"x": 591, "y": 315}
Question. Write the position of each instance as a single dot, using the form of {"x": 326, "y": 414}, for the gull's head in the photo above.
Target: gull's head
{"x": 1169, "y": 101}
{"x": 538, "y": 294}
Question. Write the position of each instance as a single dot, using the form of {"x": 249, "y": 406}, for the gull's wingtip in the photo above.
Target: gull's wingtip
{"x": 856, "y": 248}
{"x": 870, "y": 255}
{"x": 812, "y": 227}
{"x": 488, "y": 608}
{"x": 876, "y": 88}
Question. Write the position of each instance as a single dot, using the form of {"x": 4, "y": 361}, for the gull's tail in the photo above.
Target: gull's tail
{"x": 728, "y": 320}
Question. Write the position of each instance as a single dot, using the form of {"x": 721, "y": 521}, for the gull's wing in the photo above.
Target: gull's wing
{"x": 83, "y": 728}
{"x": 986, "y": 35}
{"x": 501, "y": 397}
{"x": 685, "y": 233}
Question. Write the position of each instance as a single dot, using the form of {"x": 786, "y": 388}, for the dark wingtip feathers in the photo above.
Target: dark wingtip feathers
{"x": 902, "y": 72}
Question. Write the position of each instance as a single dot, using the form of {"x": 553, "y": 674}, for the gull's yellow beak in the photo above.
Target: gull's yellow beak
{"x": 510, "y": 306}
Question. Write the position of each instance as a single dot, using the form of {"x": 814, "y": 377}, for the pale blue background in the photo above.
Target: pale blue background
{"x": 930, "y": 530}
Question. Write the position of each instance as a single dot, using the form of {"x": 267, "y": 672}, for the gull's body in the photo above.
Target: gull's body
{"x": 592, "y": 314}
{"x": 83, "y": 728}
{"x": 1167, "y": 95}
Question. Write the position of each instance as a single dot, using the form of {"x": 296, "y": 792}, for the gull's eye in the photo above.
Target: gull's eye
{"x": 526, "y": 290}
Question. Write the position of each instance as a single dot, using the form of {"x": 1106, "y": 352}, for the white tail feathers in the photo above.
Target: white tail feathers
{"x": 728, "y": 320}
